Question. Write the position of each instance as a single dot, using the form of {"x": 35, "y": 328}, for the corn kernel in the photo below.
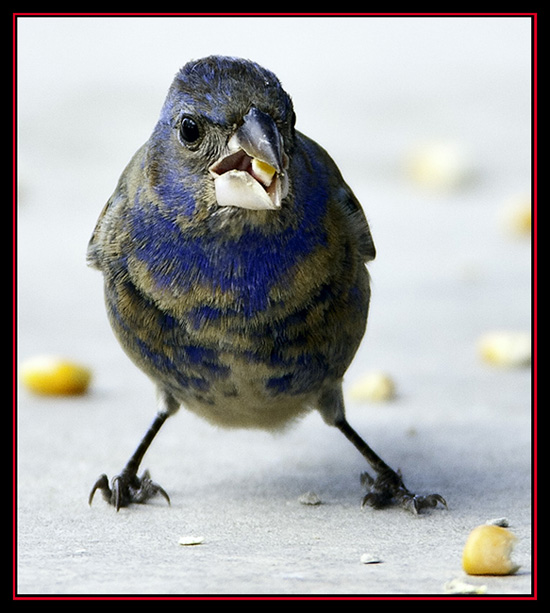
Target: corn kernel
{"x": 506, "y": 348}
{"x": 516, "y": 216}
{"x": 439, "y": 165}
{"x": 263, "y": 171}
{"x": 487, "y": 551}
{"x": 374, "y": 387}
{"x": 51, "y": 375}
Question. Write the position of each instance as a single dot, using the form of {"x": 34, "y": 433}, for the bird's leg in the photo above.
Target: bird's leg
{"x": 388, "y": 488}
{"x": 127, "y": 487}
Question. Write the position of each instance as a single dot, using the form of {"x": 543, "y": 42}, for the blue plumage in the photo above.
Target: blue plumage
{"x": 234, "y": 255}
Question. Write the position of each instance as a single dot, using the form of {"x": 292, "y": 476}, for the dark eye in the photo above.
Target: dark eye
{"x": 189, "y": 130}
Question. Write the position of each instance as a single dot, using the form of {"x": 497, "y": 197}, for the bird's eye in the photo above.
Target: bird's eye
{"x": 189, "y": 130}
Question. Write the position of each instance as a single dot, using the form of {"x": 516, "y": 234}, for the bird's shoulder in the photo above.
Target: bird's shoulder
{"x": 112, "y": 213}
{"x": 341, "y": 198}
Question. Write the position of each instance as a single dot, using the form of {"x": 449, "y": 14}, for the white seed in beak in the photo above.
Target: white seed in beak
{"x": 239, "y": 188}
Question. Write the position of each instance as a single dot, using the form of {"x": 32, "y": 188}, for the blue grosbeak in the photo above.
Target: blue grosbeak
{"x": 233, "y": 255}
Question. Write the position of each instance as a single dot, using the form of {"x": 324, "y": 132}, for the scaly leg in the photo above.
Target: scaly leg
{"x": 388, "y": 487}
{"x": 127, "y": 487}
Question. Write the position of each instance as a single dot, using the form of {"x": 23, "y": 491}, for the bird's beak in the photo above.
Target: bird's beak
{"x": 251, "y": 174}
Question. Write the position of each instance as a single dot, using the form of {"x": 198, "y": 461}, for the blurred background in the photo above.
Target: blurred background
{"x": 429, "y": 120}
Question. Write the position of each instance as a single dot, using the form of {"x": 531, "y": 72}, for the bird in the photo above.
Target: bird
{"x": 234, "y": 259}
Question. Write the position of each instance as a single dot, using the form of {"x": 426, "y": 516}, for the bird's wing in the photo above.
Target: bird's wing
{"x": 353, "y": 208}
{"x": 341, "y": 195}
{"x": 99, "y": 242}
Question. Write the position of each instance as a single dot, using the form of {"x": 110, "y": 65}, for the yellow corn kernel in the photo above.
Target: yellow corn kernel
{"x": 487, "y": 551}
{"x": 516, "y": 216}
{"x": 52, "y": 375}
{"x": 439, "y": 165}
{"x": 506, "y": 348}
{"x": 263, "y": 171}
{"x": 374, "y": 387}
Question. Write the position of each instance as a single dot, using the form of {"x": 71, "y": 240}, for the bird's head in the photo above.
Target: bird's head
{"x": 226, "y": 133}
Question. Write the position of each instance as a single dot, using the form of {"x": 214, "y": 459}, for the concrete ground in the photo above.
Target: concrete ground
{"x": 448, "y": 271}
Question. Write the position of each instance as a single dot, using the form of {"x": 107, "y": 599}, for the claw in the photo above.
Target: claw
{"x": 429, "y": 502}
{"x": 101, "y": 484}
{"x": 389, "y": 488}
{"x": 126, "y": 489}
{"x": 377, "y": 497}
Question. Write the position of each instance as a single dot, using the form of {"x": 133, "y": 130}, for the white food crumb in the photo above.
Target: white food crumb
{"x": 457, "y": 586}
{"x": 498, "y": 521}
{"x": 369, "y": 558}
{"x": 190, "y": 540}
{"x": 309, "y": 498}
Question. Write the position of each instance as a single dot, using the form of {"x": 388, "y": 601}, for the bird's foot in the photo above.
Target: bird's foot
{"x": 127, "y": 488}
{"x": 389, "y": 489}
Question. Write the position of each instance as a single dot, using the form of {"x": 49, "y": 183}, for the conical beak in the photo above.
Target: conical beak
{"x": 251, "y": 174}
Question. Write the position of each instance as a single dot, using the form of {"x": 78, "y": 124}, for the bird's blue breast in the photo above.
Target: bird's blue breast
{"x": 246, "y": 266}
{"x": 256, "y": 312}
